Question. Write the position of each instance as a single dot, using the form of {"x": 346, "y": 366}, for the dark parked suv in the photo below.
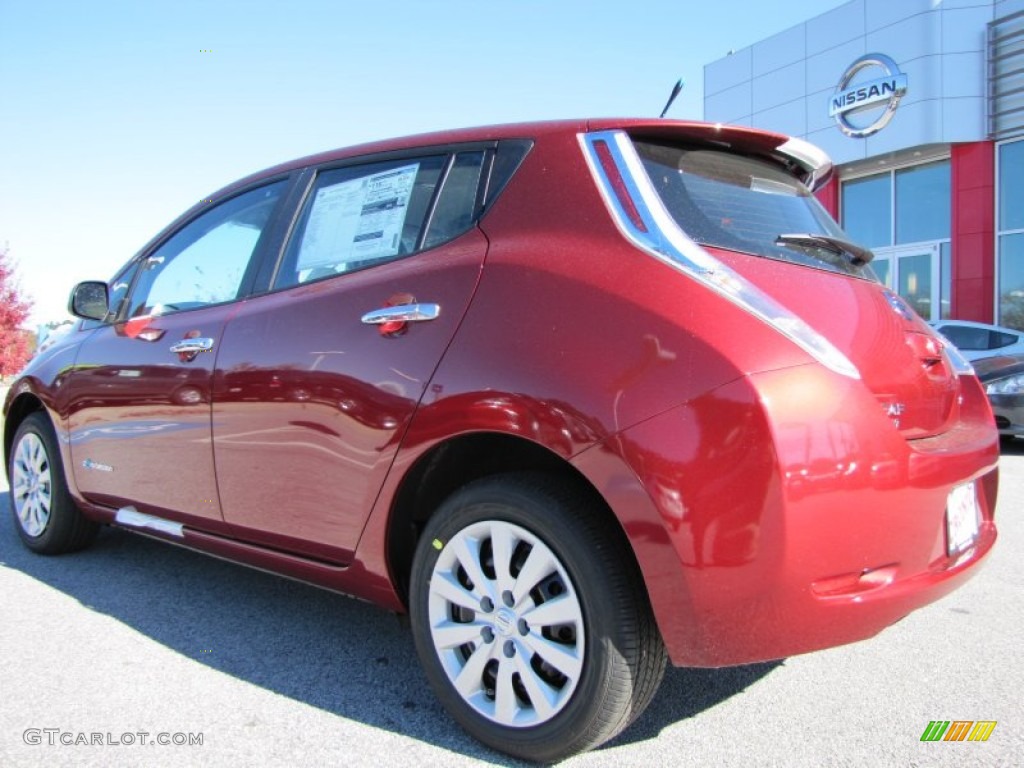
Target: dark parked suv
{"x": 578, "y": 396}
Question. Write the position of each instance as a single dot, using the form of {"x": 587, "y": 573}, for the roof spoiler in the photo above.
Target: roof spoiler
{"x": 816, "y": 164}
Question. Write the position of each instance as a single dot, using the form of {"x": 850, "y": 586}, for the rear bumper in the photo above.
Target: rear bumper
{"x": 798, "y": 517}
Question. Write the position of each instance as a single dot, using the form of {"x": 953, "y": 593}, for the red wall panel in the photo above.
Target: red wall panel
{"x": 973, "y": 235}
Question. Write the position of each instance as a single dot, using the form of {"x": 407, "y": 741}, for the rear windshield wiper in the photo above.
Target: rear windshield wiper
{"x": 857, "y": 255}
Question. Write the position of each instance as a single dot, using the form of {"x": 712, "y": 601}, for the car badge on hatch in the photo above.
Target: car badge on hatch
{"x": 899, "y": 306}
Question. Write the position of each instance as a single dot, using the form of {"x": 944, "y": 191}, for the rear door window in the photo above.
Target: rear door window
{"x": 359, "y": 216}
{"x": 457, "y": 204}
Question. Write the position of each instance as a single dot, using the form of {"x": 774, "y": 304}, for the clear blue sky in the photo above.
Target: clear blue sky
{"x": 115, "y": 116}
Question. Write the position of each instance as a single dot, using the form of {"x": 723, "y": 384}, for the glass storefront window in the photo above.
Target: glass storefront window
{"x": 923, "y": 203}
{"x": 1011, "y": 280}
{"x": 867, "y": 210}
{"x": 882, "y": 270}
{"x": 905, "y": 216}
{"x": 1011, "y": 234}
{"x": 915, "y": 276}
{"x": 1011, "y": 186}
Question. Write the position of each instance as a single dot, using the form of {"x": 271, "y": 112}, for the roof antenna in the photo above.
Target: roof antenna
{"x": 675, "y": 92}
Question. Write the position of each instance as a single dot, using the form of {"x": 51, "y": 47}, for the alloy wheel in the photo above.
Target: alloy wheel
{"x": 506, "y": 623}
{"x": 31, "y": 486}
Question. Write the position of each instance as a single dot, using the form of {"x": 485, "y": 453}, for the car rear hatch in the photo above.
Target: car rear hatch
{"x": 729, "y": 207}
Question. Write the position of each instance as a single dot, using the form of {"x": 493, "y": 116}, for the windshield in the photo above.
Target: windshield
{"x": 727, "y": 200}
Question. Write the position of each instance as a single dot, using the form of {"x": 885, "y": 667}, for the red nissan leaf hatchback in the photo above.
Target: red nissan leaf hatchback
{"x": 577, "y": 396}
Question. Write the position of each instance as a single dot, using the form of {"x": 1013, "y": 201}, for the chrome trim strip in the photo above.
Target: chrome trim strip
{"x": 131, "y": 517}
{"x": 666, "y": 241}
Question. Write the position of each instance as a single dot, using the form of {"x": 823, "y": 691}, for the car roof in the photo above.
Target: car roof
{"x": 802, "y": 159}
{"x": 740, "y": 138}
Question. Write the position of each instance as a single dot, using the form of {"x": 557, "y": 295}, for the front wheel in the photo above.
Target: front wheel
{"x": 530, "y": 618}
{"x": 45, "y": 515}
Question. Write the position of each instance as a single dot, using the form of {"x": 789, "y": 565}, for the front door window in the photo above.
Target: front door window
{"x": 205, "y": 262}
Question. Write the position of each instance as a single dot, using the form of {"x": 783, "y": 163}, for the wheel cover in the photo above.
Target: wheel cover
{"x": 31, "y": 488}
{"x": 506, "y": 623}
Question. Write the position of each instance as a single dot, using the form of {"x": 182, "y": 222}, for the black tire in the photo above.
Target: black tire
{"x": 45, "y": 516}
{"x": 616, "y": 655}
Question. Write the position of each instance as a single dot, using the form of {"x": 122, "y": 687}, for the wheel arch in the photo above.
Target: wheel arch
{"x": 23, "y": 405}
{"x": 448, "y": 466}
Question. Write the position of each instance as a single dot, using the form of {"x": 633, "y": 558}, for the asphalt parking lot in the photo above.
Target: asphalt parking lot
{"x": 133, "y": 642}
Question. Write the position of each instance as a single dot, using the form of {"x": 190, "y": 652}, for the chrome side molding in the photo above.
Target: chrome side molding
{"x": 132, "y": 518}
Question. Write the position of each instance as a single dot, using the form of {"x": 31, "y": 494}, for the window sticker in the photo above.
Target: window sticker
{"x": 359, "y": 219}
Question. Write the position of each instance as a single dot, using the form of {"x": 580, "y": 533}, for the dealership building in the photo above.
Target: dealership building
{"x": 920, "y": 104}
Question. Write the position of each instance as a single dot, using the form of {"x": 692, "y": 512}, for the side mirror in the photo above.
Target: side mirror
{"x": 89, "y": 300}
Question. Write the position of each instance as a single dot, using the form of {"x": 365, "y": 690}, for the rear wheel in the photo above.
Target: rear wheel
{"x": 44, "y": 514}
{"x": 530, "y": 618}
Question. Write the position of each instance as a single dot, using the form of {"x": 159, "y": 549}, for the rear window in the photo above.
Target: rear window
{"x": 1000, "y": 339}
{"x": 971, "y": 338}
{"x": 742, "y": 203}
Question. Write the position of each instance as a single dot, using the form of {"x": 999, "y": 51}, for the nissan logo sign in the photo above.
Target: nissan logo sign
{"x": 885, "y": 91}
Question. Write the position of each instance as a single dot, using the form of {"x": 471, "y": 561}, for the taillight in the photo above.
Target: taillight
{"x": 618, "y": 184}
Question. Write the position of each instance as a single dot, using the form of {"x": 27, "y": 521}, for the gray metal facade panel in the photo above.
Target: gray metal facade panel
{"x": 939, "y": 46}
{"x": 727, "y": 72}
{"x": 1006, "y": 76}
{"x": 838, "y": 26}
{"x": 778, "y": 51}
{"x": 781, "y": 86}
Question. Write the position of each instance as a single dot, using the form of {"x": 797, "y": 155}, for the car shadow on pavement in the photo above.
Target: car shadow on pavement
{"x": 337, "y": 654}
{"x": 685, "y": 693}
